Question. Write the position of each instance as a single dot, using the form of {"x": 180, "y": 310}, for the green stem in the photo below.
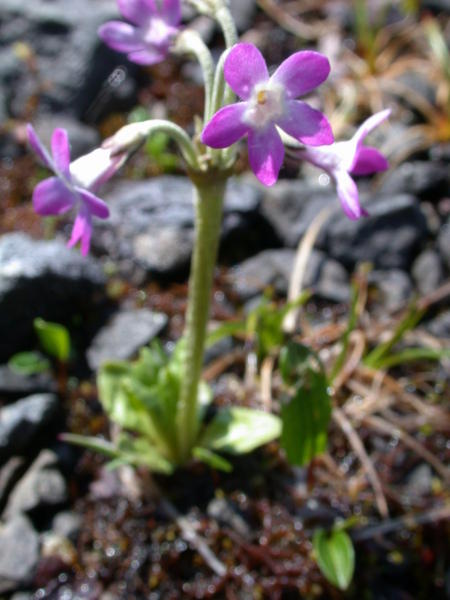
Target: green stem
{"x": 209, "y": 191}
{"x": 226, "y": 22}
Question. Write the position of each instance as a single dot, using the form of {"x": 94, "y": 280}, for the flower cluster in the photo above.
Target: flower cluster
{"x": 267, "y": 111}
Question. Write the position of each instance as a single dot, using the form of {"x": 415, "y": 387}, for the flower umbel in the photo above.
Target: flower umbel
{"x": 73, "y": 184}
{"x": 343, "y": 159}
{"x": 148, "y": 38}
{"x": 268, "y": 103}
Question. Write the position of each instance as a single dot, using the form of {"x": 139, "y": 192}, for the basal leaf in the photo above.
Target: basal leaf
{"x": 305, "y": 419}
{"x": 238, "y": 430}
{"x": 212, "y": 459}
{"x": 28, "y": 363}
{"x": 54, "y": 339}
{"x": 335, "y": 556}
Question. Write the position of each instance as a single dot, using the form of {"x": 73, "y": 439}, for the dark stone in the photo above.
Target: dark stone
{"x": 393, "y": 289}
{"x": 443, "y": 243}
{"x": 42, "y": 279}
{"x": 440, "y": 325}
{"x": 42, "y": 487}
{"x": 10, "y": 473}
{"x": 124, "y": 334}
{"x": 19, "y": 553}
{"x": 427, "y": 271}
{"x": 151, "y": 227}
{"x": 435, "y": 6}
{"x": 389, "y": 238}
{"x": 14, "y": 385}
{"x": 428, "y": 180}
{"x": 81, "y": 74}
{"x": 291, "y": 205}
{"x": 273, "y": 269}
{"x": 22, "y": 423}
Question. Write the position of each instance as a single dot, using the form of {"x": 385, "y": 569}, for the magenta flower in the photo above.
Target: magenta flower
{"x": 154, "y": 25}
{"x": 269, "y": 102}
{"x": 351, "y": 157}
{"x": 73, "y": 185}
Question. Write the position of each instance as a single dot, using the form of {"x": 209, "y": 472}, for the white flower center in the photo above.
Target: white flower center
{"x": 157, "y": 32}
{"x": 266, "y": 105}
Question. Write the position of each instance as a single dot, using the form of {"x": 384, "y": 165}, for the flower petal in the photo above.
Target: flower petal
{"x": 61, "y": 151}
{"x": 369, "y": 124}
{"x": 170, "y": 10}
{"x": 91, "y": 170}
{"x": 302, "y": 72}
{"x": 368, "y": 160}
{"x": 226, "y": 127}
{"x": 244, "y": 68}
{"x": 348, "y": 195}
{"x": 122, "y": 37}
{"x": 137, "y": 11}
{"x": 265, "y": 154}
{"x": 306, "y": 124}
{"x": 147, "y": 57}
{"x": 38, "y": 148}
{"x": 82, "y": 230}
{"x": 94, "y": 204}
{"x": 52, "y": 197}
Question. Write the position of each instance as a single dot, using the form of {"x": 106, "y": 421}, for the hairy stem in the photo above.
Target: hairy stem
{"x": 209, "y": 191}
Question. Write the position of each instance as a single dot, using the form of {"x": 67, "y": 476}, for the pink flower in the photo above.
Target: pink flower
{"x": 269, "y": 102}
{"x": 73, "y": 184}
{"x": 343, "y": 159}
{"x": 154, "y": 25}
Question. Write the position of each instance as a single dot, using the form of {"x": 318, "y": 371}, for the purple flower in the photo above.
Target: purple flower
{"x": 73, "y": 185}
{"x": 351, "y": 157}
{"x": 147, "y": 40}
{"x": 269, "y": 102}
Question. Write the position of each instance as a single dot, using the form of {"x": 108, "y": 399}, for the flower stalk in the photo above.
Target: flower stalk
{"x": 209, "y": 192}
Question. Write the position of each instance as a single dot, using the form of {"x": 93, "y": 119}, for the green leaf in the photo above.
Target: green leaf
{"x": 305, "y": 419}
{"x": 54, "y": 339}
{"x": 28, "y": 363}
{"x": 239, "y": 430}
{"x": 295, "y": 360}
{"x": 225, "y": 330}
{"x": 96, "y": 444}
{"x": 335, "y": 556}
{"x": 139, "y": 451}
{"x": 412, "y": 355}
{"x": 212, "y": 459}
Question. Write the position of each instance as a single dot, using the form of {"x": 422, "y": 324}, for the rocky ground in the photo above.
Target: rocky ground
{"x": 69, "y": 529}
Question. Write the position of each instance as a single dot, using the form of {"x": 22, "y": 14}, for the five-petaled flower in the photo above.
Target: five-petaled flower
{"x": 74, "y": 184}
{"x": 343, "y": 159}
{"x": 268, "y": 103}
{"x": 155, "y": 23}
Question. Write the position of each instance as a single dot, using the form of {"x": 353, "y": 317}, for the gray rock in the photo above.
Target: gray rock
{"x": 394, "y": 289}
{"x": 82, "y": 138}
{"x": 291, "y": 205}
{"x": 443, "y": 243}
{"x": 10, "y": 473}
{"x": 42, "y": 487}
{"x": 125, "y": 333}
{"x": 22, "y": 596}
{"x": 243, "y": 12}
{"x": 67, "y": 524}
{"x": 273, "y": 268}
{"x": 389, "y": 238}
{"x": 13, "y": 385}
{"x": 19, "y": 553}
{"x": 81, "y": 74}
{"x": 42, "y": 279}
{"x": 420, "y": 481}
{"x": 22, "y": 422}
{"x": 428, "y": 180}
{"x": 440, "y": 325}
{"x": 151, "y": 226}
{"x": 427, "y": 271}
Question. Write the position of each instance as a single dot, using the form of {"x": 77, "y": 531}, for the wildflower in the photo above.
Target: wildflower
{"x": 154, "y": 25}
{"x": 269, "y": 102}
{"x": 74, "y": 184}
{"x": 343, "y": 159}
